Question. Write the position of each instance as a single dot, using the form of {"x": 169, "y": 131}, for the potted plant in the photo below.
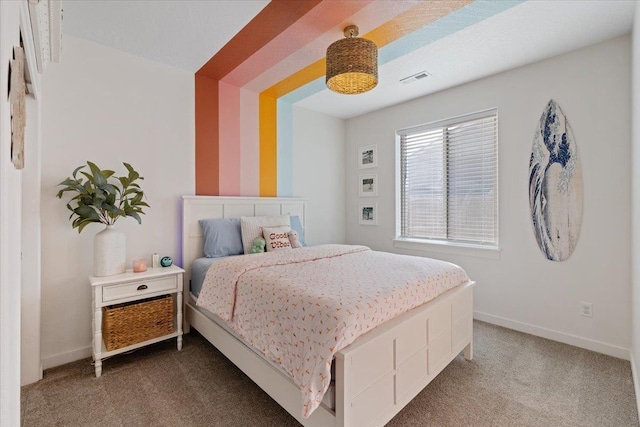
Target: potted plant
{"x": 104, "y": 198}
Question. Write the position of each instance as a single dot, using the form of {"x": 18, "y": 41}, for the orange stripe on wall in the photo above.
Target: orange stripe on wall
{"x": 268, "y": 147}
{"x": 275, "y": 18}
{"x": 207, "y": 142}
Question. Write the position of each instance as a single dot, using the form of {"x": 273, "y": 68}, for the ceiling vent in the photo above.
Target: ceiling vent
{"x": 418, "y": 76}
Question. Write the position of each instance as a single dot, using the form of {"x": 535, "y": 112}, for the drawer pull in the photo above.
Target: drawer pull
{"x": 142, "y": 287}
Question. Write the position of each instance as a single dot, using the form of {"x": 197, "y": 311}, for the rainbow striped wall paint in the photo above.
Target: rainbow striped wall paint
{"x": 246, "y": 92}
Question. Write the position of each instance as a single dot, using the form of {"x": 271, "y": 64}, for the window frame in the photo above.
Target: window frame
{"x": 483, "y": 250}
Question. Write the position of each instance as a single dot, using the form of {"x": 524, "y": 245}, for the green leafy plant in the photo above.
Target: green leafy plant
{"x": 103, "y": 197}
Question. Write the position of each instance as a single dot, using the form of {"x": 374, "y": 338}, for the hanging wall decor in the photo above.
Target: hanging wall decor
{"x": 368, "y": 185}
{"x": 17, "y": 93}
{"x": 368, "y": 156}
{"x": 555, "y": 185}
{"x": 368, "y": 214}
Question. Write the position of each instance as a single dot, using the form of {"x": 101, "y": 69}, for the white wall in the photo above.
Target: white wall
{"x": 31, "y": 362}
{"x": 108, "y": 106}
{"x": 10, "y": 240}
{"x": 635, "y": 208}
{"x": 318, "y": 173}
{"x": 14, "y": 20}
{"x": 523, "y": 289}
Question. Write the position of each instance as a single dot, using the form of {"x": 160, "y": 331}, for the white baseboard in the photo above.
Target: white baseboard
{"x": 66, "y": 357}
{"x": 636, "y": 380}
{"x": 593, "y": 345}
{"x": 31, "y": 377}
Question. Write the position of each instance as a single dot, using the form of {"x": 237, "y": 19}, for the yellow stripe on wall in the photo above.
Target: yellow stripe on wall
{"x": 298, "y": 79}
{"x": 268, "y": 147}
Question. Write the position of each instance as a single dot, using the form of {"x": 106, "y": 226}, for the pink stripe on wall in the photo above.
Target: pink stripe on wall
{"x": 229, "y": 131}
{"x": 309, "y": 27}
{"x": 367, "y": 18}
{"x": 249, "y": 144}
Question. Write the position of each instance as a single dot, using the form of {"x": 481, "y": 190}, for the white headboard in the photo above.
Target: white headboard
{"x": 195, "y": 208}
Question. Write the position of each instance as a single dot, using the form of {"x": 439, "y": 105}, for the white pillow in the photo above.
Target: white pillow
{"x": 252, "y": 227}
{"x": 277, "y": 238}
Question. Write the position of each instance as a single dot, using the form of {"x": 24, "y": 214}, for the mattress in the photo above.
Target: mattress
{"x": 198, "y": 272}
{"x": 329, "y": 398}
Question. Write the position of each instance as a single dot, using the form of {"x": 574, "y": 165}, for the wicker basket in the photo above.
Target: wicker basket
{"x": 131, "y": 323}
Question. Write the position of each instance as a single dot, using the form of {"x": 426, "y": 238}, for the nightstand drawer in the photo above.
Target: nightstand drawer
{"x": 141, "y": 287}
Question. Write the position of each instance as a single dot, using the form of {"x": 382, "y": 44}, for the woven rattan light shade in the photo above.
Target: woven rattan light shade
{"x": 352, "y": 64}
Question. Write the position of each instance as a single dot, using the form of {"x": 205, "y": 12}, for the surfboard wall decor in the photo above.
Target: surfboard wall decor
{"x": 555, "y": 185}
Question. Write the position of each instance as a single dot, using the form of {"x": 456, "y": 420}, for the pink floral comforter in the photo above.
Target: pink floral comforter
{"x": 299, "y": 307}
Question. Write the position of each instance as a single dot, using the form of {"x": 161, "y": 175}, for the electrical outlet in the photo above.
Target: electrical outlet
{"x": 586, "y": 309}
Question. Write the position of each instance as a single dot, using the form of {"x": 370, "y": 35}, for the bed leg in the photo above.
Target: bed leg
{"x": 468, "y": 351}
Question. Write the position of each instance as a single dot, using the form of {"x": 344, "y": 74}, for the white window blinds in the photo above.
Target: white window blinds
{"x": 449, "y": 179}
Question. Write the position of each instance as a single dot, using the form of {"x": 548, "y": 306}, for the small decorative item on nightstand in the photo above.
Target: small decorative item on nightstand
{"x": 139, "y": 265}
{"x": 166, "y": 261}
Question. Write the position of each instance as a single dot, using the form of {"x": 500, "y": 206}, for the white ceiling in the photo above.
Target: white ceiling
{"x": 527, "y": 33}
{"x": 185, "y": 34}
{"x": 181, "y": 33}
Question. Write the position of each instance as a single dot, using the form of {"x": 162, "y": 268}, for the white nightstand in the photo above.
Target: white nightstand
{"x": 128, "y": 287}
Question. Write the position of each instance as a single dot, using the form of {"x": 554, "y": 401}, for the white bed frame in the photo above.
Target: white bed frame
{"x": 375, "y": 376}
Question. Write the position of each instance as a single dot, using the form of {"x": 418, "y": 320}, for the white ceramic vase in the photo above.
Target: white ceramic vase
{"x": 109, "y": 252}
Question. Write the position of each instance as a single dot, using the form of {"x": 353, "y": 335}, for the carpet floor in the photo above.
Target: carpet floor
{"x": 514, "y": 379}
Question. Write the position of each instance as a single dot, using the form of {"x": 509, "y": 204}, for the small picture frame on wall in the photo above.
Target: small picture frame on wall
{"x": 368, "y": 185}
{"x": 368, "y": 214}
{"x": 368, "y": 156}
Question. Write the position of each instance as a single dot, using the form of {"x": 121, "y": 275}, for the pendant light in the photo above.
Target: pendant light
{"x": 352, "y": 64}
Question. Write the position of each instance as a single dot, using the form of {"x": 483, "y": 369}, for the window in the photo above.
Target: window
{"x": 449, "y": 180}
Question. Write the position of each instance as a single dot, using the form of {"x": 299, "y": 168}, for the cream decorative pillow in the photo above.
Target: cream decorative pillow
{"x": 252, "y": 227}
{"x": 277, "y": 238}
